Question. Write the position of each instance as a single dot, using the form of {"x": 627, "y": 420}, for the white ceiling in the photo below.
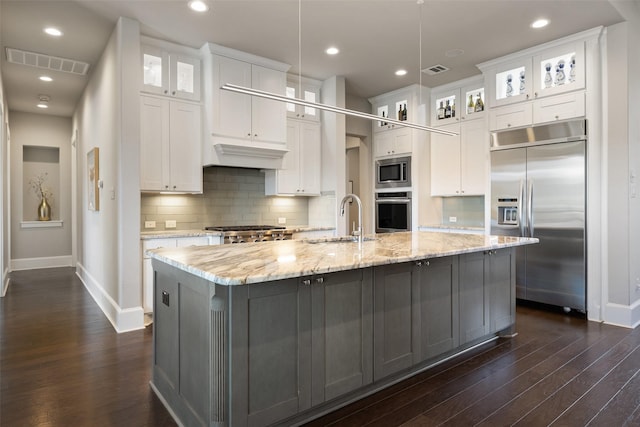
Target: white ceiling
{"x": 375, "y": 37}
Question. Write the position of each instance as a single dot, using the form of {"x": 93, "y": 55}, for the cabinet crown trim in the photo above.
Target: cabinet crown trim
{"x": 216, "y": 49}
{"x": 581, "y": 36}
{"x": 173, "y": 47}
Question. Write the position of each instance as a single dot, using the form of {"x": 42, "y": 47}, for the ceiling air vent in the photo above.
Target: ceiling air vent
{"x": 39, "y": 60}
{"x": 435, "y": 69}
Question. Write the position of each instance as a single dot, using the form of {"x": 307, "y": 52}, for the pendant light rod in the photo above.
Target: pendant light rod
{"x": 275, "y": 97}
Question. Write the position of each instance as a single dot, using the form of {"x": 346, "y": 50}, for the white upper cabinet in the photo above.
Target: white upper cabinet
{"x": 559, "y": 70}
{"x": 170, "y": 145}
{"x": 462, "y": 100}
{"x": 393, "y": 143}
{"x": 300, "y": 173}
{"x": 305, "y": 89}
{"x": 170, "y": 73}
{"x": 510, "y": 82}
{"x": 398, "y": 105}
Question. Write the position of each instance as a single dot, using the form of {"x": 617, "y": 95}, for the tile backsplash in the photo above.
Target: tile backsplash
{"x": 231, "y": 196}
{"x": 468, "y": 210}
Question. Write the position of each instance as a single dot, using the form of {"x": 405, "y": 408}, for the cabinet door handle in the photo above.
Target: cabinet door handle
{"x": 557, "y": 117}
{"x": 249, "y": 134}
{"x": 419, "y": 263}
{"x": 320, "y": 280}
{"x": 306, "y": 282}
{"x": 173, "y": 93}
{"x": 427, "y": 263}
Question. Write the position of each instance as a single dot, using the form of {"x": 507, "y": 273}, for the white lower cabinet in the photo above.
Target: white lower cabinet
{"x": 459, "y": 163}
{"x": 147, "y": 269}
{"x": 300, "y": 173}
{"x": 170, "y": 145}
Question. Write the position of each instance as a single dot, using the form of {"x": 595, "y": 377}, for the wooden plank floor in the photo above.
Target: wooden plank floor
{"x": 62, "y": 364}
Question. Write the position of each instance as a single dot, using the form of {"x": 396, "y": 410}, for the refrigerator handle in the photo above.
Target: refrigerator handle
{"x": 530, "y": 208}
{"x": 520, "y": 211}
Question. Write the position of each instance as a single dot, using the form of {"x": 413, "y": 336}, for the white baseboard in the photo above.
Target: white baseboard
{"x": 627, "y": 316}
{"x": 5, "y": 282}
{"x": 44, "y": 262}
{"x": 123, "y": 320}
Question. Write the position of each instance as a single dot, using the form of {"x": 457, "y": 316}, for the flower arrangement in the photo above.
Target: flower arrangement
{"x": 37, "y": 185}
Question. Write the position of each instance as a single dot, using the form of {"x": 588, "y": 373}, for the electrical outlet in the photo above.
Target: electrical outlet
{"x": 453, "y": 219}
{"x": 282, "y": 220}
{"x": 149, "y": 224}
{"x": 170, "y": 223}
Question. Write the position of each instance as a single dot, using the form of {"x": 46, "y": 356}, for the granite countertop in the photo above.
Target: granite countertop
{"x": 266, "y": 261}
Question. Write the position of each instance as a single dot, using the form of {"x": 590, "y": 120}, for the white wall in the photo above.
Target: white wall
{"x": 108, "y": 240}
{"x": 622, "y": 287}
{"x": 334, "y": 146}
{"x": 40, "y": 247}
{"x": 5, "y": 218}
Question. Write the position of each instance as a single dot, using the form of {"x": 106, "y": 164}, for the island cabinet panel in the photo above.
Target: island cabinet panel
{"x": 438, "y": 287}
{"x": 500, "y": 278}
{"x": 396, "y": 318}
{"x": 271, "y": 352}
{"x": 181, "y": 365}
{"x": 474, "y": 307}
{"x": 342, "y": 333}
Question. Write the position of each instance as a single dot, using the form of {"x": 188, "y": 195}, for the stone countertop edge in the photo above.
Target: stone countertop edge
{"x": 168, "y": 234}
{"x": 452, "y": 227}
{"x": 251, "y": 263}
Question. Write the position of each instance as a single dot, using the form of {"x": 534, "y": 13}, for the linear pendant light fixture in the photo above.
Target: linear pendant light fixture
{"x": 275, "y": 97}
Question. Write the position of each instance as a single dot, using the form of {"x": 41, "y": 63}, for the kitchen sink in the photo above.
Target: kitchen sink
{"x": 341, "y": 239}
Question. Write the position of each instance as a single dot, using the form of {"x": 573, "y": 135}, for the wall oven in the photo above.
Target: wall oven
{"x": 393, "y": 212}
{"x": 391, "y": 173}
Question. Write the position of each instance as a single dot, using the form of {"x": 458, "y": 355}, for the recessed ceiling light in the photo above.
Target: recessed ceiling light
{"x": 198, "y": 6}
{"x": 452, "y": 53}
{"x": 401, "y": 72}
{"x": 44, "y": 101}
{"x": 53, "y": 31}
{"x": 332, "y": 50}
{"x": 540, "y": 23}
{"x": 46, "y": 79}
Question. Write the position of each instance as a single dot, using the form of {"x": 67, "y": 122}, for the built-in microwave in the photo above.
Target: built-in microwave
{"x": 391, "y": 173}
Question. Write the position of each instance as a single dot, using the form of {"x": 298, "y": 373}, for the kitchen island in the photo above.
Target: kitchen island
{"x": 280, "y": 332}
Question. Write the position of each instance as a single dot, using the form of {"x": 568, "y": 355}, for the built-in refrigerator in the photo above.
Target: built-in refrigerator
{"x": 538, "y": 189}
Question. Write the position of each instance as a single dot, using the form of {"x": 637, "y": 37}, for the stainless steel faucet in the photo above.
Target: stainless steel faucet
{"x": 357, "y": 232}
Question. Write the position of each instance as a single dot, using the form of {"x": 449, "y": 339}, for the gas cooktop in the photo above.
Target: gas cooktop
{"x": 243, "y": 227}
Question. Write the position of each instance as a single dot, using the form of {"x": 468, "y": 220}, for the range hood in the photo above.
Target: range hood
{"x": 242, "y": 153}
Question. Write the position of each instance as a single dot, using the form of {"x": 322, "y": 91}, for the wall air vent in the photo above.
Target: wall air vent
{"x": 435, "y": 69}
{"x": 48, "y": 62}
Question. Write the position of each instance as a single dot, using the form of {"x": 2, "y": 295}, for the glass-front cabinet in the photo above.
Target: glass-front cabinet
{"x": 458, "y": 103}
{"x": 559, "y": 70}
{"x": 305, "y": 89}
{"x": 511, "y": 82}
{"x": 170, "y": 74}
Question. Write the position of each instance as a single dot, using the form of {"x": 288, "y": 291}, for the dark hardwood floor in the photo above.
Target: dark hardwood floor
{"x": 62, "y": 364}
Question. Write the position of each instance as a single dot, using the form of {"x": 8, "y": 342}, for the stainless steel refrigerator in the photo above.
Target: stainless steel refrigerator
{"x": 538, "y": 189}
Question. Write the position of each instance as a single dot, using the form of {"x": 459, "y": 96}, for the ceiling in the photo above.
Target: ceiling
{"x": 375, "y": 37}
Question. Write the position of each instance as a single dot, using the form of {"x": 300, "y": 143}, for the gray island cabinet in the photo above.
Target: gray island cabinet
{"x": 276, "y": 333}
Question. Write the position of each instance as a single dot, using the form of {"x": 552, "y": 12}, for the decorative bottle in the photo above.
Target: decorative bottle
{"x": 447, "y": 110}
{"x": 471, "y": 106}
{"x": 548, "y": 80}
{"x": 560, "y": 76}
{"x": 572, "y": 72}
{"x": 441, "y": 111}
{"x": 479, "y": 104}
{"x": 522, "y": 86}
{"x": 400, "y": 112}
{"x": 404, "y": 112}
{"x": 453, "y": 108}
{"x": 509, "y": 87}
